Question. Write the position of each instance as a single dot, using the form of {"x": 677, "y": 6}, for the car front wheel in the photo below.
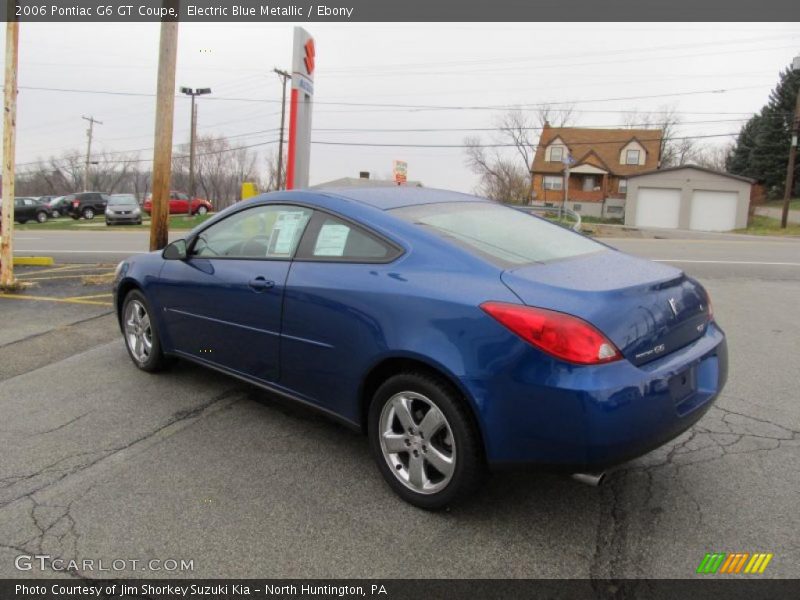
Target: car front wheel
{"x": 424, "y": 441}
{"x": 202, "y": 210}
{"x": 41, "y": 217}
{"x": 141, "y": 334}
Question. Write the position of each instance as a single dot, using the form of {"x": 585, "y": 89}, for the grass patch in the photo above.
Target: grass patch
{"x": 760, "y": 225}
{"x": 176, "y": 222}
{"x": 794, "y": 204}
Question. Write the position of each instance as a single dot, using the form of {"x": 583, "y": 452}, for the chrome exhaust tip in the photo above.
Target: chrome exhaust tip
{"x": 593, "y": 479}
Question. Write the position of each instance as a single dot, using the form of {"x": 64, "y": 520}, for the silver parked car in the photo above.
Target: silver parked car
{"x": 123, "y": 208}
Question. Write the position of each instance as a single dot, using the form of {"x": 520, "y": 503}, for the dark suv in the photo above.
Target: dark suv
{"x": 86, "y": 204}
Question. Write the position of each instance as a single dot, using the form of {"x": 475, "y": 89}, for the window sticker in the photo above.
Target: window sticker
{"x": 285, "y": 231}
{"x": 331, "y": 240}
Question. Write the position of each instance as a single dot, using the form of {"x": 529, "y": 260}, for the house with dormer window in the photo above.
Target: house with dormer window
{"x": 600, "y": 161}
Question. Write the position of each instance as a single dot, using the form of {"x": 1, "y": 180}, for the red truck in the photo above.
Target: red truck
{"x": 179, "y": 204}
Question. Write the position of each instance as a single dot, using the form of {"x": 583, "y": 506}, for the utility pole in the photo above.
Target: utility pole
{"x": 162, "y": 154}
{"x": 89, "y": 133}
{"x": 284, "y": 78}
{"x": 9, "y": 148}
{"x": 789, "y": 186}
{"x": 192, "y": 137}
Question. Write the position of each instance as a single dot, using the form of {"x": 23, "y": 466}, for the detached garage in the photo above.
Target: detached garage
{"x": 688, "y": 197}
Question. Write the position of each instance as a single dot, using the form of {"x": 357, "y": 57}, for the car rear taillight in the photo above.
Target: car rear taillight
{"x": 76, "y": 203}
{"x": 559, "y": 334}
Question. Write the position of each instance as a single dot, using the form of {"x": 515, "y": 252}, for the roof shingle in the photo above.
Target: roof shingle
{"x": 605, "y": 143}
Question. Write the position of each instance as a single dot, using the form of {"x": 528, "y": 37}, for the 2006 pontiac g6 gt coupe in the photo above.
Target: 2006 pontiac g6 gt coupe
{"x": 458, "y": 333}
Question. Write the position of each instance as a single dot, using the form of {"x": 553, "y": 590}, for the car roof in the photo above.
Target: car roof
{"x": 386, "y": 198}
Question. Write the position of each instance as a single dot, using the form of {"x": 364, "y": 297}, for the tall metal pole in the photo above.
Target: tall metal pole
{"x": 789, "y": 187}
{"x": 192, "y": 137}
{"x": 162, "y": 155}
{"x": 9, "y": 149}
{"x": 89, "y": 133}
{"x": 284, "y": 77}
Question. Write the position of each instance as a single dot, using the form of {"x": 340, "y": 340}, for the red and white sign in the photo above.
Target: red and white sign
{"x": 400, "y": 170}
{"x": 300, "y": 104}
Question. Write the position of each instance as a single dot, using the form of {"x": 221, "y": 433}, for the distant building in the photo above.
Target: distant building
{"x": 363, "y": 181}
{"x": 601, "y": 160}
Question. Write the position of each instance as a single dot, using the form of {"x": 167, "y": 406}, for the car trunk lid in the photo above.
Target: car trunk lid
{"x": 647, "y": 309}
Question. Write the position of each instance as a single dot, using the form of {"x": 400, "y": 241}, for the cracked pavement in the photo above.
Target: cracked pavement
{"x": 100, "y": 460}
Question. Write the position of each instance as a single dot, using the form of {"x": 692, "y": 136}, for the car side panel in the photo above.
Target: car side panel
{"x": 342, "y": 319}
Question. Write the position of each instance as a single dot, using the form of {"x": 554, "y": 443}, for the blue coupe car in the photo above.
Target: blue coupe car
{"x": 458, "y": 333}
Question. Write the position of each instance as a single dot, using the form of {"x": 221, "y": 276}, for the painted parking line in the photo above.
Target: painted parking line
{"x": 78, "y": 276}
{"x": 54, "y": 299}
{"x": 91, "y": 297}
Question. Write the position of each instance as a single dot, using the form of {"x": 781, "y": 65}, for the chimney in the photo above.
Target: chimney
{"x": 363, "y": 175}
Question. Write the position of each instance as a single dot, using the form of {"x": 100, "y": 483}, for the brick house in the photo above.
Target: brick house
{"x": 602, "y": 159}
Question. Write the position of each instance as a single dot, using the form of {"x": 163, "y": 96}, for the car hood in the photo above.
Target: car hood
{"x": 647, "y": 309}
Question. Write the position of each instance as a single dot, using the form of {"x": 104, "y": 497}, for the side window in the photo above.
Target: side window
{"x": 182, "y": 196}
{"x": 271, "y": 231}
{"x": 336, "y": 239}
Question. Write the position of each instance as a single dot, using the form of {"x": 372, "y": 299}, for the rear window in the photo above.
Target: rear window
{"x": 499, "y": 233}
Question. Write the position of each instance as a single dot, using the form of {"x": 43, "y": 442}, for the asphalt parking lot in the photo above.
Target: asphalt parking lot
{"x": 103, "y": 461}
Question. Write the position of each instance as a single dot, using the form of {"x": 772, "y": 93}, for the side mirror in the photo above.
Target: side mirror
{"x": 175, "y": 251}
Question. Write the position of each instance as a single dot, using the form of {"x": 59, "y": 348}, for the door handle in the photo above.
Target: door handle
{"x": 259, "y": 284}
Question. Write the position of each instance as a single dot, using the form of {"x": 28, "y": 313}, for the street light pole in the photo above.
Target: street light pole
{"x": 284, "y": 77}
{"x": 192, "y": 136}
{"x": 789, "y": 186}
{"x": 89, "y": 134}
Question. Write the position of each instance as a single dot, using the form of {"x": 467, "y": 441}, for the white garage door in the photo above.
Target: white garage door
{"x": 658, "y": 207}
{"x": 713, "y": 211}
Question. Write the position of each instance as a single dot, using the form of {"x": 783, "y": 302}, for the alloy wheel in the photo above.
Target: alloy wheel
{"x": 417, "y": 442}
{"x": 138, "y": 331}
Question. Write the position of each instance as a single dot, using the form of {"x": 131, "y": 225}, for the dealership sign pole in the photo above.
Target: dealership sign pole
{"x": 300, "y": 110}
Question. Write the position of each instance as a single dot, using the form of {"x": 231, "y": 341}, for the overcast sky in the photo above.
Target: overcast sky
{"x": 414, "y": 64}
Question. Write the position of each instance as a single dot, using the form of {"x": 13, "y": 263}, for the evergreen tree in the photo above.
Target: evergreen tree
{"x": 762, "y": 148}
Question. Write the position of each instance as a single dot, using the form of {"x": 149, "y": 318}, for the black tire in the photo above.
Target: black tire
{"x": 22, "y": 221}
{"x": 88, "y": 213}
{"x": 201, "y": 210}
{"x": 156, "y": 360}
{"x": 75, "y": 217}
{"x": 41, "y": 217}
{"x": 469, "y": 468}
{"x": 56, "y": 214}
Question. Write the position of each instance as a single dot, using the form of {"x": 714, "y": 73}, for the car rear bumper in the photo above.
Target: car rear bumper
{"x": 590, "y": 418}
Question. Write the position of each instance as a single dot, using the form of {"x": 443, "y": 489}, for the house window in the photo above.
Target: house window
{"x": 556, "y": 153}
{"x": 632, "y": 157}
{"x": 576, "y": 207}
{"x": 623, "y": 186}
{"x": 553, "y": 182}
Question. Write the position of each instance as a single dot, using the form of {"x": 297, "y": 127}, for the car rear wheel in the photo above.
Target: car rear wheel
{"x": 56, "y": 214}
{"x": 141, "y": 334}
{"x": 88, "y": 213}
{"x": 424, "y": 441}
{"x": 41, "y": 217}
{"x": 201, "y": 210}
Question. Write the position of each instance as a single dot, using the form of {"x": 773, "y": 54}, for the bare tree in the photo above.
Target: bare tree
{"x": 270, "y": 181}
{"x": 561, "y": 116}
{"x": 505, "y": 171}
{"x": 501, "y": 178}
{"x": 714, "y": 157}
{"x": 675, "y": 150}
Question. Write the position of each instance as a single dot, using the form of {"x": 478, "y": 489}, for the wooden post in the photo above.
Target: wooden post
{"x": 789, "y": 186}
{"x": 162, "y": 154}
{"x": 9, "y": 148}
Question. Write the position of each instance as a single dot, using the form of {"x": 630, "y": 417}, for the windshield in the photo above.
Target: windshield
{"x": 498, "y": 232}
{"x": 117, "y": 200}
